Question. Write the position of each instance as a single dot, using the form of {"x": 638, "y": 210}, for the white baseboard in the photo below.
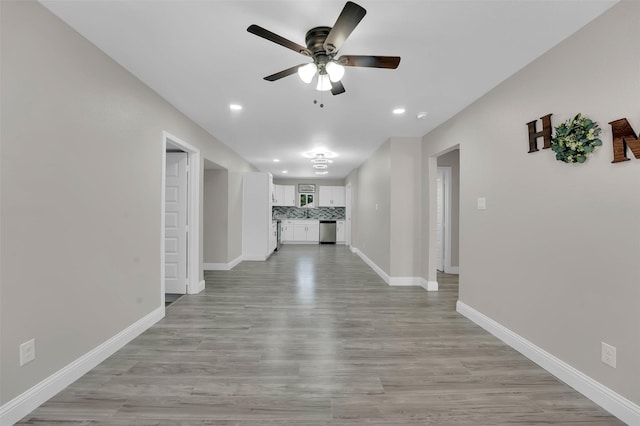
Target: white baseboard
{"x": 222, "y": 266}
{"x": 372, "y": 265}
{"x": 451, "y": 269}
{"x": 254, "y": 258}
{"x": 23, "y": 404}
{"x": 395, "y": 281}
{"x": 405, "y": 281}
{"x": 429, "y": 285}
{"x": 196, "y": 288}
{"x": 611, "y": 401}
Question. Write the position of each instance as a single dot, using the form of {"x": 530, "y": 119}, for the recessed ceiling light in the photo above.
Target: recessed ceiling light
{"x": 319, "y": 166}
{"x": 399, "y": 111}
{"x": 276, "y": 160}
{"x": 285, "y": 172}
{"x": 322, "y": 173}
{"x": 235, "y": 107}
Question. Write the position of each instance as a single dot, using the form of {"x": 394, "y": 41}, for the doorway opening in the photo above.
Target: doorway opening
{"x": 180, "y": 219}
{"x": 447, "y": 211}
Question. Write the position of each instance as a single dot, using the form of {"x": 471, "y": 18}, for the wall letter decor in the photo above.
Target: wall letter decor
{"x": 623, "y": 137}
{"x": 545, "y": 133}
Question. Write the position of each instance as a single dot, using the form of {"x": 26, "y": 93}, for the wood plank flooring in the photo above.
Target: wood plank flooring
{"x": 314, "y": 337}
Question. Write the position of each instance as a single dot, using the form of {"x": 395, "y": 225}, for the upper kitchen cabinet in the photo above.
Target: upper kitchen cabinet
{"x": 285, "y": 195}
{"x": 257, "y": 198}
{"x": 331, "y": 196}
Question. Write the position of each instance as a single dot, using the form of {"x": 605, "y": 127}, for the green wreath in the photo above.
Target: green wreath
{"x": 576, "y": 139}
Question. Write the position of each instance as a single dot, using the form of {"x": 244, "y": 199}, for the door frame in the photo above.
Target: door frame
{"x": 194, "y": 285}
{"x": 348, "y": 202}
{"x": 446, "y": 217}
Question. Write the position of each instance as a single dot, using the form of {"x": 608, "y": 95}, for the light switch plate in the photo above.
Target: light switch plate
{"x": 482, "y": 203}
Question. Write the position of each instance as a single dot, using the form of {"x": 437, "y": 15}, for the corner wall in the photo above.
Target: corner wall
{"x": 81, "y": 188}
{"x": 554, "y": 257}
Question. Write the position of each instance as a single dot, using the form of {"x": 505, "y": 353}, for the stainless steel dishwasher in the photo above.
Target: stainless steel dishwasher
{"x": 327, "y": 232}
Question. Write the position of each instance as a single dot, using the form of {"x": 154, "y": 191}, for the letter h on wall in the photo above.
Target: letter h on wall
{"x": 545, "y": 133}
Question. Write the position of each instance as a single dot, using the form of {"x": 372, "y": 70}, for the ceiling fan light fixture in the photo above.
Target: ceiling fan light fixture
{"x": 335, "y": 71}
{"x": 324, "y": 83}
{"x": 306, "y": 72}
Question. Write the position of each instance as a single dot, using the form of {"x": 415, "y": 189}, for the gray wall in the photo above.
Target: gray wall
{"x": 406, "y": 187}
{"x": 555, "y": 255}
{"x": 372, "y": 213}
{"x": 81, "y": 187}
{"x": 452, "y": 159}
{"x": 215, "y": 216}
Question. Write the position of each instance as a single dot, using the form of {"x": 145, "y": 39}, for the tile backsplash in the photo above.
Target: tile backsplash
{"x": 337, "y": 213}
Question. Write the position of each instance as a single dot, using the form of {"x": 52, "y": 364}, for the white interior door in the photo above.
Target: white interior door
{"x": 175, "y": 242}
{"x": 440, "y": 215}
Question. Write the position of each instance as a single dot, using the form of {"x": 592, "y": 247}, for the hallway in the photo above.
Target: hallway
{"x": 314, "y": 337}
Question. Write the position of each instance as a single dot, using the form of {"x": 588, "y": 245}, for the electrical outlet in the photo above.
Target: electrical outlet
{"x": 609, "y": 354}
{"x": 27, "y": 352}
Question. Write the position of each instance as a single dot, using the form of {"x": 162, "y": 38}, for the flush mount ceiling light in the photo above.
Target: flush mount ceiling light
{"x": 285, "y": 172}
{"x": 399, "y": 111}
{"x": 235, "y": 107}
{"x": 422, "y": 115}
{"x": 319, "y": 166}
{"x": 322, "y": 173}
{"x": 276, "y": 160}
{"x": 321, "y": 161}
{"x": 322, "y": 46}
{"x": 320, "y": 153}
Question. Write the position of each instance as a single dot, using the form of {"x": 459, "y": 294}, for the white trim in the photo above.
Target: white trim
{"x": 222, "y": 266}
{"x": 429, "y": 285}
{"x": 451, "y": 269}
{"x": 254, "y": 258}
{"x": 23, "y": 404}
{"x": 392, "y": 281}
{"x": 405, "y": 281}
{"x": 193, "y": 260}
{"x": 372, "y": 265}
{"x": 197, "y": 289}
{"x": 611, "y": 401}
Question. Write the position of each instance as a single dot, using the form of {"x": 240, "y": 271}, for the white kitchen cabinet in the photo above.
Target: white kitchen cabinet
{"x": 331, "y": 196}
{"x": 287, "y": 231}
{"x": 285, "y": 195}
{"x": 306, "y": 231}
{"x": 257, "y": 227}
{"x": 273, "y": 237}
{"x": 340, "y": 231}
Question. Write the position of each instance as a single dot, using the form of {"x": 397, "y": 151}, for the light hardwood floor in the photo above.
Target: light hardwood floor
{"x": 314, "y": 337}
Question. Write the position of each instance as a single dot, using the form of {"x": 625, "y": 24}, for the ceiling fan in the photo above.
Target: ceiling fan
{"x": 323, "y": 44}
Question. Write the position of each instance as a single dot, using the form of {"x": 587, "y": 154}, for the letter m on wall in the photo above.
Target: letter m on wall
{"x": 624, "y": 137}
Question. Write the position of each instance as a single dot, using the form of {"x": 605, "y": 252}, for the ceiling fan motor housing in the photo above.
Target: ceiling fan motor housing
{"x": 315, "y": 42}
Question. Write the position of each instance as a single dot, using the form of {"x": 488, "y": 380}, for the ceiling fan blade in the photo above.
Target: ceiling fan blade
{"x": 266, "y": 34}
{"x": 390, "y": 62}
{"x": 349, "y": 18}
{"x": 337, "y": 88}
{"x": 283, "y": 73}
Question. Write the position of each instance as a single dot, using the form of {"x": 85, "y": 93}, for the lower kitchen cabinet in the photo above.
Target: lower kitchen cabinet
{"x": 287, "y": 231}
{"x": 300, "y": 231}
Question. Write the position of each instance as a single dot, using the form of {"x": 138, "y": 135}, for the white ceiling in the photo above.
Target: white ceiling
{"x": 199, "y": 56}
